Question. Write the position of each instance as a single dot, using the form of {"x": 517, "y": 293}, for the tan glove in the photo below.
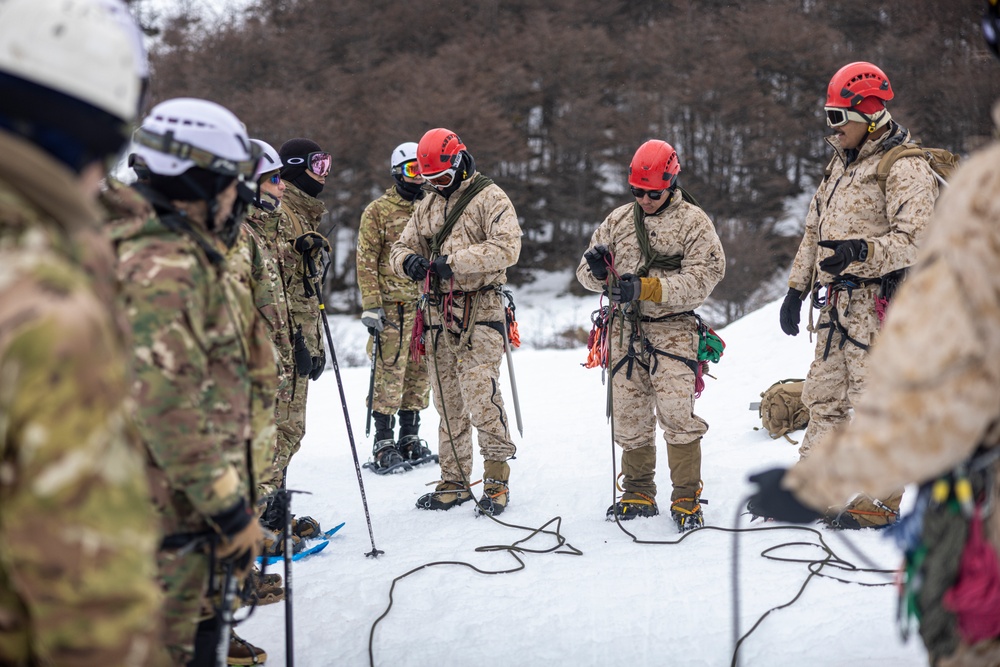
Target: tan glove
{"x": 243, "y": 548}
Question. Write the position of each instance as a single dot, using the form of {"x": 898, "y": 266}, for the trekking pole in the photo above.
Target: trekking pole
{"x": 374, "y": 553}
{"x": 286, "y": 556}
{"x": 225, "y": 615}
{"x": 376, "y": 346}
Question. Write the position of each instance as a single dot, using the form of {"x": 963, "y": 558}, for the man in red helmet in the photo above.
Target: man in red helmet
{"x": 858, "y": 242}
{"x": 459, "y": 242}
{"x": 659, "y": 257}
{"x": 935, "y": 422}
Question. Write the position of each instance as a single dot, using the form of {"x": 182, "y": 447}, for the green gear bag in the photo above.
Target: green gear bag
{"x": 781, "y": 409}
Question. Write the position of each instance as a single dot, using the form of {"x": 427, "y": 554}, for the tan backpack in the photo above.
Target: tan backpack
{"x": 942, "y": 161}
{"x": 781, "y": 410}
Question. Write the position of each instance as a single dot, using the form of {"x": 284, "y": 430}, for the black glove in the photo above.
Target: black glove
{"x": 318, "y": 365}
{"x": 416, "y": 267}
{"x": 627, "y": 290}
{"x": 310, "y": 242}
{"x": 303, "y": 360}
{"x": 791, "y": 308}
{"x": 596, "y": 260}
{"x": 441, "y": 268}
{"x": 773, "y": 502}
{"x": 844, "y": 252}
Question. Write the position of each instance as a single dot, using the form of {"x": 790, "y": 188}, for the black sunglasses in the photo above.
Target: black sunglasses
{"x": 639, "y": 193}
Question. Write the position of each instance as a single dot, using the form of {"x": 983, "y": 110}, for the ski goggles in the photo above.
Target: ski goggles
{"x": 442, "y": 179}
{"x": 408, "y": 169}
{"x": 639, "y": 193}
{"x": 318, "y": 162}
{"x": 838, "y": 116}
{"x": 167, "y": 144}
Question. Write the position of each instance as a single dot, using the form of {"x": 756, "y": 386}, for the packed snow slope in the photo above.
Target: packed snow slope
{"x": 620, "y": 601}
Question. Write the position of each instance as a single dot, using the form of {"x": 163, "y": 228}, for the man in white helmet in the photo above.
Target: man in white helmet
{"x": 77, "y": 531}
{"x": 400, "y": 387}
{"x": 205, "y": 367}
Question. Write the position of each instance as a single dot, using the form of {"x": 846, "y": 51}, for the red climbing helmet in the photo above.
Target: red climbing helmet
{"x": 860, "y": 86}
{"x": 654, "y": 166}
{"x": 439, "y": 150}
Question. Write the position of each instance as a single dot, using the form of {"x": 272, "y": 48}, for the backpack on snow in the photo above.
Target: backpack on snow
{"x": 781, "y": 409}
{"x": 941, "y": 161}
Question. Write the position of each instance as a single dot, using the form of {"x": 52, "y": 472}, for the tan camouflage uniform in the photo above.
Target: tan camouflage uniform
{"x": 400, "y": 382}
{"x": 933, "y": 392}
{"x": 850, "y": 205}
{"x": 464, "y": 366}
{"x": 300, "y": 214}
{"x": 203, "y": 384}
{"x": 665, "y": 396}
{"x": 78, "y": 533}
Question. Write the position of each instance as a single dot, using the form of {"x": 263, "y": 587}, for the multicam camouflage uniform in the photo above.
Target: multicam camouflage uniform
{"x": 400, "y": 381}
{"x": 464, "y": 361}
{"x": 666, "y": 396}
{"x": 259, "y": 289}
{"x": 933, "y": 391}
{"x": 78, "y": 533}
{"x": 849, "y": 204}
{"x": 301, "y": 214}
{"x": 199, "y": 393}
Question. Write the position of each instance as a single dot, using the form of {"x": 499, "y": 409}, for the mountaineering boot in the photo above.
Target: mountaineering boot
{"x": 865, "y": 512}
{"x": 385, "y": 457}
{"x": 413, "y": 449}
{"x": 274, "y": 544}
{"x": 305, "y": 527}
{"x": 685, "y": 476}
{"x": 444, "y": 496}
{"x": 639, "y": 497}
{"x": 242, "y": 652}
{"x": 496, "y": 493}
{"x": 264, "y": 589}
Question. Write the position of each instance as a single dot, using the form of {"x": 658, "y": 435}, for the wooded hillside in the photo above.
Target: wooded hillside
{"x": 552, "y": 97}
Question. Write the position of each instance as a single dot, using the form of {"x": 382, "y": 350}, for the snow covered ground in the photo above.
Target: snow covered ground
{"x": 620, "y": 602}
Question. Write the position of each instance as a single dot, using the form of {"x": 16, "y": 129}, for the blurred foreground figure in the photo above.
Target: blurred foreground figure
{"x": 78, "y": 533}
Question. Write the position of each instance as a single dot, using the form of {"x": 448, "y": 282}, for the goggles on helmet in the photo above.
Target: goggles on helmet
{"x": 639, "y": 193}
{"x": 839, "y": 116}
{"x": 165, "y": 143}
{"x": 442, "y": 179}
{"x": 409, "y": 169}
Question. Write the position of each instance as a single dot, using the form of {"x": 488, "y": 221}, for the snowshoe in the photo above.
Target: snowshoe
{"x": 415, "y": 451}
{"x": 242, "y": 652}
{"x": 387, "y": 459}
{"x": 632, "y": 505}
{"x": 445, "y": 496}
{"x": 686, "y": 519}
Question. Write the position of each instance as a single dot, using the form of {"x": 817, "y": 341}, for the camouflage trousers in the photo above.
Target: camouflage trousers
{"x": 466, "y": 395}
{"x": 290, "y": 416}
{"x": 184, "y": 578}
{"x": 400, "y": 382}
{"x": 642, "y": 399}
{"x": 839, "y": 373}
